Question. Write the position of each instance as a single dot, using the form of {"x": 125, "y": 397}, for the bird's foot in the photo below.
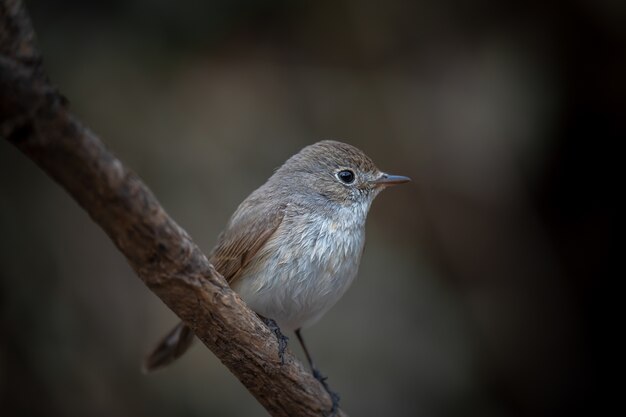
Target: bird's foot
{"x": 333, "y": 395}
{"x": 282, "y": 339}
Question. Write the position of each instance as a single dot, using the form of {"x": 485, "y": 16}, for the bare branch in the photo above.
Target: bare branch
{"x": 35, "y": 118}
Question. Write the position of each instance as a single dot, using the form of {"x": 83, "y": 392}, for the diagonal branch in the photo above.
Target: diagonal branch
{"x": 35, "y": 118}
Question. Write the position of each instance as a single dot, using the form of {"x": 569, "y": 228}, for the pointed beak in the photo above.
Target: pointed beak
{"x": 386, "y": 180}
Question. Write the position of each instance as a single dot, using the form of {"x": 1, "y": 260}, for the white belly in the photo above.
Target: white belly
{"x": 298, "y": 281}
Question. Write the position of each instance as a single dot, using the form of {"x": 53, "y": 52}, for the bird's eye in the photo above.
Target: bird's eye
{"x": 346, "y": 176}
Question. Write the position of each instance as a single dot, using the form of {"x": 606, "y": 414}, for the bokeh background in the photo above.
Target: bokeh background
{"x": 481, "y": 289}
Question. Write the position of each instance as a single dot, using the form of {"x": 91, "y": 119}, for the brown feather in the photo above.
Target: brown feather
{"x": 239, "y": 244}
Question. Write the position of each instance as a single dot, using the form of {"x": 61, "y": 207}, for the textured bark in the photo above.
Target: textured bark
{"x": 34, "y": 116}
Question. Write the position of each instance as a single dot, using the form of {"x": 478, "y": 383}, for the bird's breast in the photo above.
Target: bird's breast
{"x": 304, "y": 268}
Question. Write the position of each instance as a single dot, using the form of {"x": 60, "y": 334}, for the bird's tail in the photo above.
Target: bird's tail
{"x": 170, "y": 348}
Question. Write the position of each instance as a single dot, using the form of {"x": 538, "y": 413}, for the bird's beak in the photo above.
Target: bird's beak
{"x": 386, "y": 180}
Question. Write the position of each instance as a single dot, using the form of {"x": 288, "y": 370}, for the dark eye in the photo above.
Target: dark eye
{"x": 346, "y": 176}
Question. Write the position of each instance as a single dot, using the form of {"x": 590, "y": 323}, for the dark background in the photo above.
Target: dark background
{"x": 485, "y": 283}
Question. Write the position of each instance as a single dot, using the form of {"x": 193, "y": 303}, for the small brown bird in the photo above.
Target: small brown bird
{"x": 292, "y": 248}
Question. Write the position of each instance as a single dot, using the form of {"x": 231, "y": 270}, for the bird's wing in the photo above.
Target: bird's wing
{"x": 241, "y": 241}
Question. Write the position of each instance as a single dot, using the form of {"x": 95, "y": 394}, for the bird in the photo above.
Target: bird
{"x": 292, "y": 248}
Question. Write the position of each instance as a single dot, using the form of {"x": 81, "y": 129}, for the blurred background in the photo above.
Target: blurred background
{"x": 482, "y": 285}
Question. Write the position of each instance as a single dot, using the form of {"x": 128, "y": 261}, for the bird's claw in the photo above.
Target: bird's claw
{"x": 333, "y": 395}
{"x": 282, "y": 339}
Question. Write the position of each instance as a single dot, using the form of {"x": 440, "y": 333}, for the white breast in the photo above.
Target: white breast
{"x": 305, "y": 268}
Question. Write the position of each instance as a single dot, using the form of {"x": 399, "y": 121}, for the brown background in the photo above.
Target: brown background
{"x": 482, "y": 291}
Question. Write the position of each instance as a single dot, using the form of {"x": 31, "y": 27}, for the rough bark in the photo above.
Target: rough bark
{"x": 34, "y": 116}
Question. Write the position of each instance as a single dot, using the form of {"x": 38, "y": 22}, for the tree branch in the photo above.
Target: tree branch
{"x": 35, "y": 118}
